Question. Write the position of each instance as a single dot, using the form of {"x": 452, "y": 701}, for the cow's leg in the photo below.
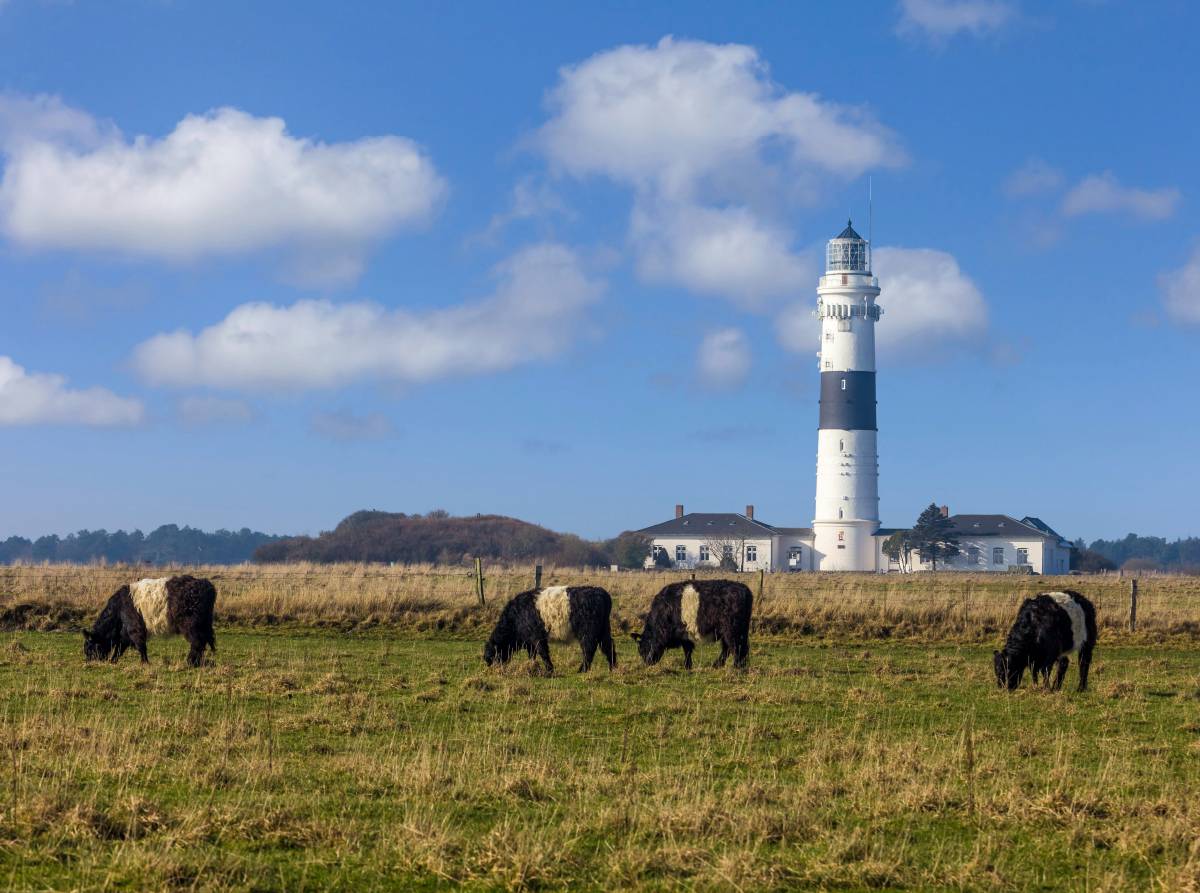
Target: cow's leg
{"x": 588, "y": 646}
{"x": 608, "y": 649}
{"x": 543, "y": 651}
{"x": 687, "y": 655}
{"x": 741, "y": 650}
{"x": 141, "y": 647}
{"x": 1085, "y": 663}
{"x": 720, "y": 661}
{"x": 118, "y": 651}
{"x": 1063, "y": 663}
{"x": 195, "y": 655}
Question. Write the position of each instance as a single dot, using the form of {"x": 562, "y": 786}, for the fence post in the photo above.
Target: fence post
{"x": 537, "y": 577}
{"x": 479, "y": 581}
{"x": 760, "y": 582}
{"x": 1132, "y": 603}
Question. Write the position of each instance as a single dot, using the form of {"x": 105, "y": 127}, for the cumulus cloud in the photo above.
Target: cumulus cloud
{"x": 715, "y": 153}
{"x": 1035, "y": 178}
{"x": 209, "y": 410}
{"x": 931, "y": 307}
{"x": 37, "y": 398}
{"x": 723, "y": 360}
{"x": 220, "y": 184}
{"x": 534, "y": 314}
{"x": 1104, "y": 194}
{"x": 343, "y": 425}
{"x": 1180, "y": 292}
{"x": 939, "y": 20}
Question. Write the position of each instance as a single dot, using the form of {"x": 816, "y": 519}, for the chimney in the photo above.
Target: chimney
{"x": 750, "y": 512}
{"x": 945, "y": 511}
{"x": 678, "y": 511}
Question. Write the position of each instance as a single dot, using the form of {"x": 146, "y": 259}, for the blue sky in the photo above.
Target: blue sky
{"x": 266, "y": 264}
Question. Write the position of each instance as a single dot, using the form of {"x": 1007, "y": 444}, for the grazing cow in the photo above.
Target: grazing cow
{"x": 554, "y": 614}
{"x": 1049, "y": 627}
{"x": 163, "y": 607}
{"x": 685, "y": 614}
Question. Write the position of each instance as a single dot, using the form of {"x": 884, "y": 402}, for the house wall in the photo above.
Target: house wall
{"x": 1044, "y": 555}
{"x": 763, "y": 547}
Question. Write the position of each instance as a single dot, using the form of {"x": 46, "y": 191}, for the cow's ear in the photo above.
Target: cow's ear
{"x": 87, "y": 635}
{"x": 636, "y": 637}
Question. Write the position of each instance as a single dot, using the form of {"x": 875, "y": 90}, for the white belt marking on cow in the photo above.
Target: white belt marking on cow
{"x": 689, "y": 607}
{"x": 554, "y": 606}
{"x": 1078, "y": 622}
{"x": 150, "y": 598}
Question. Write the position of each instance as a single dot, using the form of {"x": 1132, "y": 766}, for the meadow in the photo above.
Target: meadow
{"x": 347, "y": 736}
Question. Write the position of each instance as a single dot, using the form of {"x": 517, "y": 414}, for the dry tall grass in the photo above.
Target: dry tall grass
{"x": 428, "y": 599}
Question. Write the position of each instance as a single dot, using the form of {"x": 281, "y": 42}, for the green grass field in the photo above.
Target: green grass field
{"x": 385, "y": 762}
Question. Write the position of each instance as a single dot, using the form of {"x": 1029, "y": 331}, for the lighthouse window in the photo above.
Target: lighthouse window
{"x": 828, "y": 364}
{"x": 839, "y": 513}
{"x": 829, "y": 336}
{"x": 843, "y": 384}
{"x": 841, "y": 444}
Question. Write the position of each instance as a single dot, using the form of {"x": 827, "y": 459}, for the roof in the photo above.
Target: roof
{"x": 1040, "y": 525}
{"x": 888, "y": 531}
{"x": 999, "y": 525}
{"x": 794, "y": 531}
{"x": 705, "y": 524}
{"x": 849, "y": 233}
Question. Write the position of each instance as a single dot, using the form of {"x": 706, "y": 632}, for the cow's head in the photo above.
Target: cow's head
{"x": 651, "y": 653}
{"x": 95, "y": 648}
{"x": 1008, "y": 670}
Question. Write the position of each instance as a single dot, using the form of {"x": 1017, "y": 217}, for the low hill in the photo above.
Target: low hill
{"x": 438, "y": 538}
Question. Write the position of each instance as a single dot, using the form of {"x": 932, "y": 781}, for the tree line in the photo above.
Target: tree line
{"x": 438, "y": 537}
{"x": 1152, "y": 552}
{"x": 169, "y": 544}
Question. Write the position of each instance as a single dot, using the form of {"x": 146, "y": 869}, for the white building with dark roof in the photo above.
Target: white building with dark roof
{"x": 1001, "y": 542}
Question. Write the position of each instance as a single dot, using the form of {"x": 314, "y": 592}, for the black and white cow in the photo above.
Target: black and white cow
{"x": 566, "y": 614}
{"x": 163, "y": 607}
{"x": 684, "y": 615}
{"x": 1049, "y": 627}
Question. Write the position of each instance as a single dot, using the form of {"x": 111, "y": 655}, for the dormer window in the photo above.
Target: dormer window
{"x": 1001, "y": 524}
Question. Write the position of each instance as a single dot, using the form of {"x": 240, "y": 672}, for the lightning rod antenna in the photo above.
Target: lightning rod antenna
{"x": 870, "y": 223}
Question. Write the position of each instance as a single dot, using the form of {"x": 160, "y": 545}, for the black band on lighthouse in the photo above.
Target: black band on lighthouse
{"x": 848, "y": 401}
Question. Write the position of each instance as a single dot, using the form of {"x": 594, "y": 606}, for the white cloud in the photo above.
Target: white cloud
{"x": 534, "y": 314}
{"x": 212, "y": 410}
{"x": 940, "y": 20}
{"x": 715, "y": 153}
{"x": 1180, "y": 292}
{"x": 723, "y": 360}
{"x": 35, "y": 398}
{"x": 221, "y": 184}
{"x": 1103, "y": 194}
{"x": 1035, "y": 178}
{"x": 348, "y": 428}
{"x": 930, "y": 309}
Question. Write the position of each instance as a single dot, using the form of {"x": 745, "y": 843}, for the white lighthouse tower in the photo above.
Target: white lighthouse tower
{"x": 847, "y": 456}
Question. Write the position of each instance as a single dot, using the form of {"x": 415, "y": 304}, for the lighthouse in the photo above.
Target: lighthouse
{"x": 847, "y": 512}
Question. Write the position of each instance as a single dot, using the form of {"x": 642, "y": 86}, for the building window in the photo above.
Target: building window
{"x": 998, "y": 555}
{"x": 973, "y": 555}
{"x": 794, "y": 557}
{"x": 751, "y": 553}
{"x": 704, "y": 553}
{"x": 1022, "y": 556}
{"x": 681, "y": 553}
